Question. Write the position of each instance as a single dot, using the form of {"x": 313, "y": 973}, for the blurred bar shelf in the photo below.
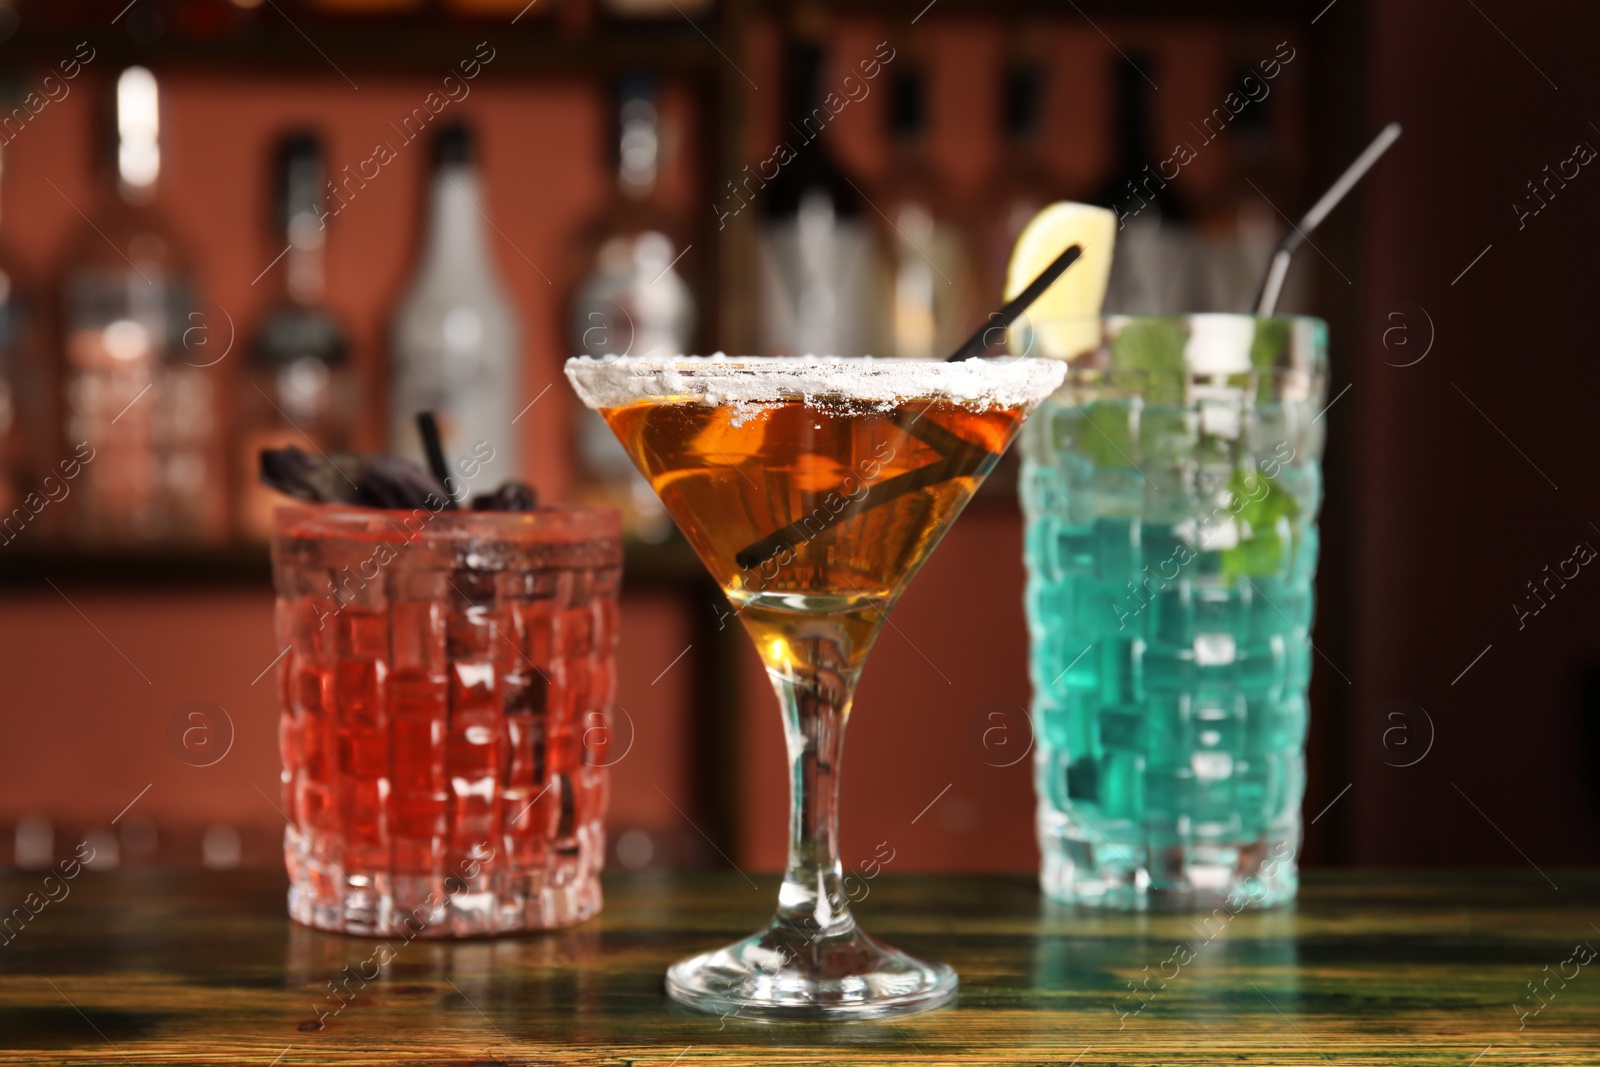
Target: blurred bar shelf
{"x": 212, "y": 35}
{"x": 565, "y": 43}
{"x": 381, "y": 47}
{"x": 670, "y": 565}
{"x": 1165, "y": 10}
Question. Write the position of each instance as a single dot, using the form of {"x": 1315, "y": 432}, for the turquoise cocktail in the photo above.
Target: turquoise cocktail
{"x": 1171, "y": 491}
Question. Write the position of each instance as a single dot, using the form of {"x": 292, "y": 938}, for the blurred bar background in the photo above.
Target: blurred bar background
{"x": 331, "y": 194}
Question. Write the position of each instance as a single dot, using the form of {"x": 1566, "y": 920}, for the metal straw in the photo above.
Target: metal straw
{"x": 1272, "y": 284}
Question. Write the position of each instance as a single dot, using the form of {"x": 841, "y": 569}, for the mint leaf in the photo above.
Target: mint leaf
{"x": 1266, "y": 350}
{"x": 1151, "y": 351}
{"x": 1105, "y": 434}
{"x": 1259, "y": 553}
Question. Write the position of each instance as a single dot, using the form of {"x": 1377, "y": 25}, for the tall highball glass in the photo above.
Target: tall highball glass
{"x": 1170, "y": 491}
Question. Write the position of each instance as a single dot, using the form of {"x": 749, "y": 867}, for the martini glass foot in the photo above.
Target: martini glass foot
{"x": 783, "y": 975}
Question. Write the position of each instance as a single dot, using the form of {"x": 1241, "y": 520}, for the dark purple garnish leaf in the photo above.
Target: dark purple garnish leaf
{"x": 366, "y": 481}
{"x": 512, "y": 496}
{"x": 300, "y": 474}
{"x": 392, "y": 482}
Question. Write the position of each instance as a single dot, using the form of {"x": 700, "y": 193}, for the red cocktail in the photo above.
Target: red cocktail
{"x": 445, "y": 693}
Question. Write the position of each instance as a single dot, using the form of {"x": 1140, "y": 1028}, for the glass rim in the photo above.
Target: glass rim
{"x": 696, "y": 366}
{"x": 1207, "y": 343}
{"x": 1108, "y": 318}
{"x": 560, "y": 523}
{"x": 725, "y": 381}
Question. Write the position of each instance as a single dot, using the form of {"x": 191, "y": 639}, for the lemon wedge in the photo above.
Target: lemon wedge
{"x": 1063, "y": 322}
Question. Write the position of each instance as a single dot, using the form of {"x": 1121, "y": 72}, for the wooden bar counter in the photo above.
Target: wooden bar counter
{"x": 1485, "y": 968}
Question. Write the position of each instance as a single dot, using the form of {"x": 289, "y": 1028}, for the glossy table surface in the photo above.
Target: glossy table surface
{"x": 1414, "y": 968}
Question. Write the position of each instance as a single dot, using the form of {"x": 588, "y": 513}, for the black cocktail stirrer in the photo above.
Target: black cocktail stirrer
{"x": 984, "y": 339}
{"x": 428, "y": 427}
{"x": 952, "y": 464}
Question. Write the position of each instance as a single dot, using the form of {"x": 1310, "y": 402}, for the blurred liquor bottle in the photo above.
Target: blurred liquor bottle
{"x": 1239, "y": 227}
{"x": 1154, "y": 269}
{"x": 23, "y": 428}
{"x": 822, "y": 285}
{"x": 456, "y": 334}
{"x": 297, "y": 387}
{"x": 1022, "y": 183}
{"x": 928, "y": 256}
{"x": 140, "y": 381}
{"x": 632, "y": 301}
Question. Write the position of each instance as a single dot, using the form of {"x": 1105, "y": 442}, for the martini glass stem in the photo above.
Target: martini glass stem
{"x": 816, "y": 706}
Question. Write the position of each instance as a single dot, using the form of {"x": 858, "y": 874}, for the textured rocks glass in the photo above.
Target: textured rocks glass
{"x": 445, "y": 686}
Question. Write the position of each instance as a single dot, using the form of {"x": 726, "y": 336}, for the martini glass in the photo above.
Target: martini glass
{"x": 812, "y": 490}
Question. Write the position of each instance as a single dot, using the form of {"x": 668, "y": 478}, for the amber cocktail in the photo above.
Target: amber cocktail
{"x": 813, "y": 489}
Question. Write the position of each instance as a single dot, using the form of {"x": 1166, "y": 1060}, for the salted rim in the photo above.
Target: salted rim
{"x": 612, "y": 382}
